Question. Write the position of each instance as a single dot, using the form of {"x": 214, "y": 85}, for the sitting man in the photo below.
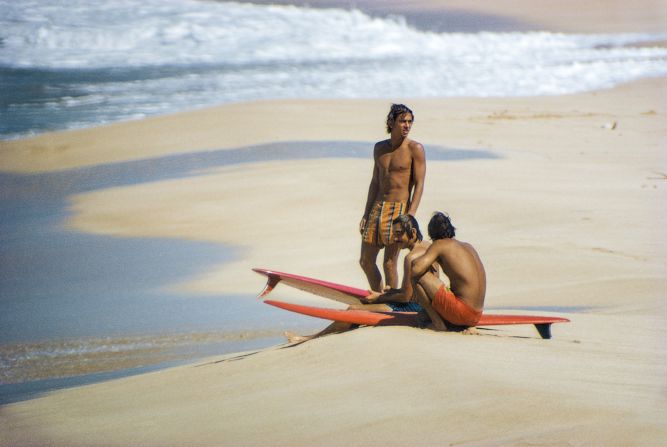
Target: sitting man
{"x": 406, "y": 234}
{"x": 461, "y": 304}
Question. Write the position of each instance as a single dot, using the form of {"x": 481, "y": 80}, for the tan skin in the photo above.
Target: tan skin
{"x": 398, "y": 176}
{"x": 374, "y": 301}
{"x": 461, "y": 264}
{"x": 404, "y": 294}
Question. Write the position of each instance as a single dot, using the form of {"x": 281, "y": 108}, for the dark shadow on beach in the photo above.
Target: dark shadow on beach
{"x": 46, "y": 187}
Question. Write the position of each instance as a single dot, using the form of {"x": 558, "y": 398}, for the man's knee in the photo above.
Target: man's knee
{"x": 389, "y": 264}
{"x": 391, "y": 253}
{"x": 367, "y": 262}
{"x": 368, "y": 256}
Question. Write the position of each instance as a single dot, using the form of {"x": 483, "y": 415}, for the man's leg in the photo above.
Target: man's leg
{"x": 390, "y": 265}
{"x": 368, "y": 262}
{"x": 424, "y": 291}
{"x": 371, "y": 307}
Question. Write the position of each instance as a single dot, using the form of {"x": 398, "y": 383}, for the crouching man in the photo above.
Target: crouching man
{"x": 461, "y": 303}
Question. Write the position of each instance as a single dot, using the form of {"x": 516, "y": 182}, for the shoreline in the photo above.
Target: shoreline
{"x": 127, "y": 364}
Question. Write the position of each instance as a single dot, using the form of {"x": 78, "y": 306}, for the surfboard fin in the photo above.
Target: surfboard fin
{"x": 544, "y": 329}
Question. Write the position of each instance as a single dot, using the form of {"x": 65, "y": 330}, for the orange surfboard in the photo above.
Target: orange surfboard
{"x": 371, "y": 318}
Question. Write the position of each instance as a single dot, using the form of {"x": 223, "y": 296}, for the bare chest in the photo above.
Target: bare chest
{"x": 396, "y": 162}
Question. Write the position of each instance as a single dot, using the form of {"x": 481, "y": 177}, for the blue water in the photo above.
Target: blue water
{"x": 76, "y": 63}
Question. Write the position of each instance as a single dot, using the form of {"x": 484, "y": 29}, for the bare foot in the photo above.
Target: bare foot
{"x": 296, "y": 338}
{"x": 470, "y": 331}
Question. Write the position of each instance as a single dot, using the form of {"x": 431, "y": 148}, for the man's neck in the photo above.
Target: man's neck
{"x": 396, "y": 141}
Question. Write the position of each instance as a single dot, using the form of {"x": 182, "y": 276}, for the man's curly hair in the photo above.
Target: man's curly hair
{"x": 396, "y": 111}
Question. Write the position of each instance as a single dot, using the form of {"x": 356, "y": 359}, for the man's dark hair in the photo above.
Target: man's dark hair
{"x": 440, "y": 227}
{"x": 407, "y": 223}
{"x": 396, "y": 111}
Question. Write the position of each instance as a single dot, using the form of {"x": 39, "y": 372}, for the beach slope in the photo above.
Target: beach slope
{"x": 388, "y": 386}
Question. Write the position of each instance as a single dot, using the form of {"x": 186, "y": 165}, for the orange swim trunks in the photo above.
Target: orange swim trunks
{"x": 377, "y": 230}
{"x": 453, "y": 310}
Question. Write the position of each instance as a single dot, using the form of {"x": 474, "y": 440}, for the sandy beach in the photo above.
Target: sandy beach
{"x": 564, "y": 198}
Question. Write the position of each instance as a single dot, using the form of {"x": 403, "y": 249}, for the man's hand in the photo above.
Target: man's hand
{"x": 362, "y": 224}
{"x": 371, "y": 298}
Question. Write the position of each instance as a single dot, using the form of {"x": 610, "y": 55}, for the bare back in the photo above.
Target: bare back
{"x": 462, "y": 265}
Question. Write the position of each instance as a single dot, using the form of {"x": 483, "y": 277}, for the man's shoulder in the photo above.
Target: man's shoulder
{"x": 418, "y": 250}
{"x": 445, "y": 243}
{"x": 416, "y": 147}
{"x": 381, "y": 146}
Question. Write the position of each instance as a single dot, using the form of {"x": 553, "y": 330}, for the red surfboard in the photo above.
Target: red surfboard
{"x": 333, "y": 291}
{"x": 371, "y": 318}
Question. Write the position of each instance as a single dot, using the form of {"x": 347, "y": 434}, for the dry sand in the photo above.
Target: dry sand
{"x": 572, "y": 213}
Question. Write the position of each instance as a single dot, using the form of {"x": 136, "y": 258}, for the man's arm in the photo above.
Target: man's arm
{"x": 418, "y": 176}
{"x": 421, "y": 264}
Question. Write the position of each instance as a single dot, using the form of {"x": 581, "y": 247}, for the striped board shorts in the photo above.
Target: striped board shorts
{"x": 377, "y": 231}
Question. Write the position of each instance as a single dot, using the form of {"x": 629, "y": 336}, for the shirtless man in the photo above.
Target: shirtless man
{"x": 462, "y": 303}
{"x": 406, "y": 234}
{"x": 396, "y": 188}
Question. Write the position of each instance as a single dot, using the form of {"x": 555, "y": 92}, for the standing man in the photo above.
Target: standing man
{"x": 462, "y": 303}
{"x": 396, "y": 188}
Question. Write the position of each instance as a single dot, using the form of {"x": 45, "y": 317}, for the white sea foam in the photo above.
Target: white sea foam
{"x": 142, "y": 57}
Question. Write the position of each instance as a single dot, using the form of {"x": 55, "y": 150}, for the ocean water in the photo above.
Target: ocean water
{"x": 76, "y": 63}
